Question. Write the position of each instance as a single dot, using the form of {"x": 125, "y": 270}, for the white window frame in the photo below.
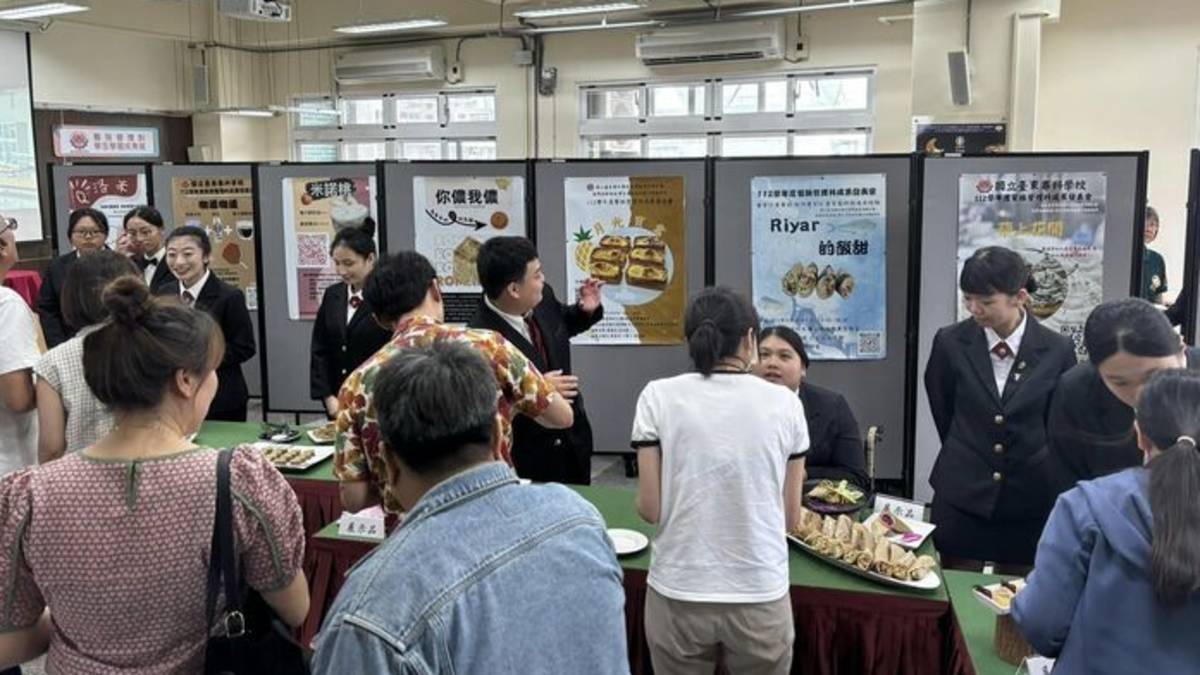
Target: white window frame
{"x": 714, "y": 123}
{"x": 391, "y": 132}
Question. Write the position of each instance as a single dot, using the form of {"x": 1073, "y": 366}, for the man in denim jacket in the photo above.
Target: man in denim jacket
{"x": 484, "y": 575}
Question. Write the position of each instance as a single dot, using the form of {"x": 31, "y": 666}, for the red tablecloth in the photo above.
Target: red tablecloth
{"x": 26, "y": 283}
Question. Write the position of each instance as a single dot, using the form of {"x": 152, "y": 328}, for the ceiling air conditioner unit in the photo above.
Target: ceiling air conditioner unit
{"x": 273, "y": 11}
{"x": 376, "y": 66}
{"x": 732, "y": 41}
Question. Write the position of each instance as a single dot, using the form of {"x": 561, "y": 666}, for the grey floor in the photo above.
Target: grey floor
{"x": 606, "y": 470}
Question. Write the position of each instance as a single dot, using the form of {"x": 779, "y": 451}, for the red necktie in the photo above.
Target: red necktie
{"x": 1001, "y": 349}
{"x": 188, "y": 299}
{"x": 535, "y": 336}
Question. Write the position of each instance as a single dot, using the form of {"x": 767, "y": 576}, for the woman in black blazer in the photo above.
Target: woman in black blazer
{"x": 345, "y": 333}
{"x": 990, "y": 380}
{"x": 1091, "y": 417}
{"x": 835, "y": 448}
{"x": 87, "y": 229}
{"x": 188, "y": 253}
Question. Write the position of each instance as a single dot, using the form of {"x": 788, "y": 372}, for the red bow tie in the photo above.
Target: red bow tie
{"x": 355, "y": 301}
{"x": 1002, "y": 350}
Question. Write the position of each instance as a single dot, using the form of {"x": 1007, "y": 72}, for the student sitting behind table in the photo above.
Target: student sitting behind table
{"x": 188, "y": 254}
{"x": 484, "y": 574}
{"x": 835, "y": 450}
{"x": 1116, "y": 585}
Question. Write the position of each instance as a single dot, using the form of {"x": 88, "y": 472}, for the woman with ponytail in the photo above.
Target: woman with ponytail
{"x": 1116, "y": 585}
{"x": 115, "y": 538}
{"x": 721, "y": 461}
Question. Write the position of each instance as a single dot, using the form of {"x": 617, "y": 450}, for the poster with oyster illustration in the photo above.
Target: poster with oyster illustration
{"x": 314, "y": 210}
{"x": 454, "y": 216}
{"x": 629, "y": 233}
{"x": 1056, "y": 221}
{"x": 819, "y": 261}
{"x": 222, "y": 206}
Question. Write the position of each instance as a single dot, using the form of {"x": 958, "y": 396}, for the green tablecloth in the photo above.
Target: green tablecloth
{"x": 228, "y": 434}
{"x": 977, "y": 623}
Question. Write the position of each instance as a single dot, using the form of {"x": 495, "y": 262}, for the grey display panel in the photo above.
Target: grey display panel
{"x": 875, "y": 390}
{"x": 286, "y": 355}
{"x": 612, "y": 377}
{"x": 162, "y": 177}
{"x": 939, "y": 251}
{"x": 61, "y": 173}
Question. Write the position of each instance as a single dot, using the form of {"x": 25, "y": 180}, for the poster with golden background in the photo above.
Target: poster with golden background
{"x": 223, "y": 206}
{"x": 630, "y": 233}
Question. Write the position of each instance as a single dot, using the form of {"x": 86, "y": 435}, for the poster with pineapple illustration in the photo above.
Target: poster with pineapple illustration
{"x": 629, "y": 233}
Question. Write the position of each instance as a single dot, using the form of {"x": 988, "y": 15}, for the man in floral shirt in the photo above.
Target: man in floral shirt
{"x": 404, "y": 293}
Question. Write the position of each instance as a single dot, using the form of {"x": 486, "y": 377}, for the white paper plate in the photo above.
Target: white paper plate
{"x": 627, "y": 542}
{"x": 929, "y": 582}
{"x": 320, "y": 454}
{"x": 913, "y": 540}
{"x": 998, "y": 610}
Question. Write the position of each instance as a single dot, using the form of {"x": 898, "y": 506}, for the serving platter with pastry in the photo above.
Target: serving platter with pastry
{"x": 829, "y": 496}
{"x": 844, "y": 543}
{"x": 634, "y": 263}
{"x": 323, "y": 434}
{"x": 293, "y": 457}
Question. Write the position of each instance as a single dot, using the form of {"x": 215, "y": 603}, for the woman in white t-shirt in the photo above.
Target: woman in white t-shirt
{"x": 721, "y": 461}
{"x": 18, "y": 352}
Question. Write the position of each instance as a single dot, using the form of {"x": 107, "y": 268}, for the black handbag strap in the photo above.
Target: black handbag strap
{"x": 222, "y": 562}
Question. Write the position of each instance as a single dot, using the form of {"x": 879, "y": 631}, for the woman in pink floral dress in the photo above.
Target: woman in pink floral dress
{"x": 104, "y": 553}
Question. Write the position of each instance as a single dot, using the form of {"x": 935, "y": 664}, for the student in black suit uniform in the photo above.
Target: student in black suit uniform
{"x": 835, "y": 448}
{"x": 1091, "y": 417}
{"x": 143, "y": 243}
{"x": 188, "y": 252}
{"x": 344, "y": 333}
{"x": 87, "y": 229}
{"x": 519, "y": 305}
{"x": 990, "y": 379}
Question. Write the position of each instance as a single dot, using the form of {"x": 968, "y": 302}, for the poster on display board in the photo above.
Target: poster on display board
{"x": 819, "y": 261}
{"x": 960, "y": 139}
{"x": 314, "y": 210}
{"x": 223, "y": 206}
{"x": 453, "y": 216}
{"x": 1055, "y": 220}
{"x": 114, "y": 196}
{"x": 629, "y": 232}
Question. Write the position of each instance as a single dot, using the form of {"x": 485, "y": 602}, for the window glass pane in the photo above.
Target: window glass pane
{"x": 832, "y": 93}
{"x": 451, "y": 150}
{"x": 310, "y": 120}
{"x": 362, "y": 111}
{"x": 613, "y": 103}
{"x": 318, "y": 152}
{"x": 739, "y": 97}
{"x": 686, "y": 146}
{"x": 840, "y": 143}
{"x": 677, "y": 100}
{"x": 477, "y": 150}
{"x": 364, "y": 152}
{"x": 472, "y": 107}
{"x": 754, "y": 146}
{"x": 615, "y": 147}
{"x": 417, "y": 109}
{"x": 421, "y": 149}
{"x": 775, "y": 96}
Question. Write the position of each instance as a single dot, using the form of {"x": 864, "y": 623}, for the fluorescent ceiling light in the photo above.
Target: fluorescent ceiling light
{"x": 327, "y": 112}
{"x": 389, "y": 26}
{"x": 38, "y": 10}
{"x": 798, "y": 9}
{"x": 247, "y": 112}
{"x": 604, "y": 25}
{"x": 598, "y": 8}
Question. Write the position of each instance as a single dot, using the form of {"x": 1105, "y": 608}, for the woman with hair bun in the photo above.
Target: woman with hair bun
{"x": 990, "y": 379}
{"x": 721, "y": 460}
{"x": 116, "y": 537}
{"x": 1116, "y": 585}
{"x": 345, "y": 333}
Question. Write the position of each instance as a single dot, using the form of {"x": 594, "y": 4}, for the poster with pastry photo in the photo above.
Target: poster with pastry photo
{"x": 1055, "y": 220}
{"x": 453, "y": 216}
{"x": 314, "y": 210}
{"x": 223, "y": 206}
{"x": 629, "y": 232}
{"x": 819, "y": 261}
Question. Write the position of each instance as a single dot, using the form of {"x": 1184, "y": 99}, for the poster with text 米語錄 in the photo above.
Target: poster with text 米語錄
{"x": 314, "y": 209}
{"x": 1055, "y": 220}
{"x": 629, "y": 232}
{"x": 222, "y": 206}
{"x": 819, "y": 261}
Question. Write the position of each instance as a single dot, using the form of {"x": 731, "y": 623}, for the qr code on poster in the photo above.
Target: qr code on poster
{"x": 870, "y": 343}
{"x": 313, "y": 250}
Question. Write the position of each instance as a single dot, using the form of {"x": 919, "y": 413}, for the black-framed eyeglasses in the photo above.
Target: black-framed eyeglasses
{"x": 7, "y": 224}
